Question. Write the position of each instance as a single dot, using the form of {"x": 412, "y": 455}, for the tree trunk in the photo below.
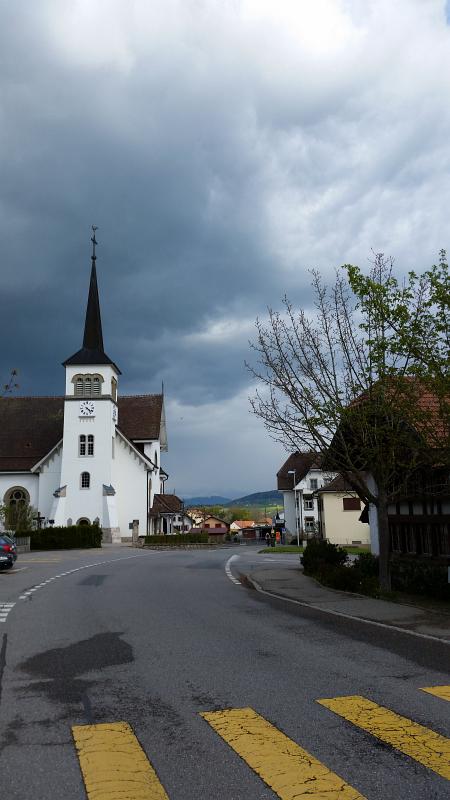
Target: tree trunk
{"x": 384, "y": 541}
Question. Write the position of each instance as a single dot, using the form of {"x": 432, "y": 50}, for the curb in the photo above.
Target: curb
{"x": 340, "y": 614}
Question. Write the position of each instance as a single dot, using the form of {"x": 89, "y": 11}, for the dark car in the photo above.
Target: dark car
{"x": 8, "y": 552}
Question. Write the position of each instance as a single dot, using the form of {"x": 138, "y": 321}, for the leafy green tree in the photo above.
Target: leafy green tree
{"x": 17, "y": 517}
{"x": 363, "y": 380}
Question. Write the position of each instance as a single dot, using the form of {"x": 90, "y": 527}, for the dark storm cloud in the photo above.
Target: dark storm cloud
{"x": 222, "y": 148}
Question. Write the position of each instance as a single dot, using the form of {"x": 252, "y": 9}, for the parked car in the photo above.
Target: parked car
{"x": 8, "y": 552}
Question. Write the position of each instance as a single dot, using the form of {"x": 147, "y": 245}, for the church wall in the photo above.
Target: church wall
{"x": 130, "y": 483}
{"x": 24, "y": 480}
{"x": 49, "y": 481}
{"x": 153, "y": 451}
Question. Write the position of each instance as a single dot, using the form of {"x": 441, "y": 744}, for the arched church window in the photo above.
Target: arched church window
{"x": 90, "y": 445}
{"x": 17, "y": 496}
{"x": 113, "y": 388}
{"x": 82, "y": 445}
{"x": 85, "y": 480}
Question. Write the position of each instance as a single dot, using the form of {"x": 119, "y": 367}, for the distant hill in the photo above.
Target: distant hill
{"x": 215, "y": 500}
{"x": 272, "y": 498}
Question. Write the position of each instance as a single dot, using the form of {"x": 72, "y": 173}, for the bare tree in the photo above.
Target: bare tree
{"x": 12, "y": 384}
{"x": 363, "y": 380}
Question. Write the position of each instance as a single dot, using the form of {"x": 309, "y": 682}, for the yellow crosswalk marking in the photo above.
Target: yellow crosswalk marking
{"x": 114, "y": 765}
{"x": 289, "y": 770}
{"x": 439, "y": 691}
{"x": 429, "y": 748}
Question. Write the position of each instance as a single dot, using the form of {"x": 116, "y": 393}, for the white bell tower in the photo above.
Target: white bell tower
{"x": 87, "y": 490}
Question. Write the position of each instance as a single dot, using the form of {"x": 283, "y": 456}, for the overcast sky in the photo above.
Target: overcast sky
{"x": 224, "y": 148}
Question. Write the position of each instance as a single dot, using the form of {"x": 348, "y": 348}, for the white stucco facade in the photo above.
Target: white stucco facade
{"x": 300, "y": 506}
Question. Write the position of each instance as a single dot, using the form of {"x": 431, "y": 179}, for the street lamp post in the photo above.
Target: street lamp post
{"x": 297, "y": 533}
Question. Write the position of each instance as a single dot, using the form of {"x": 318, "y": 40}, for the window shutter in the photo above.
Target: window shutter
{"x": 351, "y": 503}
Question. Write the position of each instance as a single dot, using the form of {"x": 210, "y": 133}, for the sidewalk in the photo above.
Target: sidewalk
{"x": 294, "y": 585}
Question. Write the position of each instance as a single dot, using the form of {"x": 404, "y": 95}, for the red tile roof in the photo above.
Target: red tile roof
{"x": 243, "y": 523}
{"x": 31, "y": 426}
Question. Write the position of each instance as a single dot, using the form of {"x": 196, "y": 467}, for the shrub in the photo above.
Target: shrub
{"x": 178, "y": 538}
{"x": 348, "y": 579}
{"x": 420, "y": 577}
{"x": 367, "y": 564}
{"x": 319, "y": 554}
{"x": 72, "y": 537}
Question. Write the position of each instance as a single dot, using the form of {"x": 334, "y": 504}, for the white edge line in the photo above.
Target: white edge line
{"x": 228, "y": 570}
{"x": 347, "y": 616}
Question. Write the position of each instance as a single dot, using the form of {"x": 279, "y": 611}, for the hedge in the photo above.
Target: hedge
{"x": 417, "y": 576}
{"x": 173, "y": 540}
{"x": 71, "y": 537}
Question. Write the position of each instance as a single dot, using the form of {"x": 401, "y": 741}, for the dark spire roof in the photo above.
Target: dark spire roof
{"x": 92, "y": 351}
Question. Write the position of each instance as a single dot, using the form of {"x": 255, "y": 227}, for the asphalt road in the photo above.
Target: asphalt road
{"x": 154, "y": 639}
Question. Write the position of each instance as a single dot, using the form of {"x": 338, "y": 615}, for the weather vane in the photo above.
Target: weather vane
{"x": 94, "y": 241}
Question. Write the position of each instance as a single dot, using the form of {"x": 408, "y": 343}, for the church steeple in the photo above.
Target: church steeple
{"x": 93, "y": 337}
{"x": 92, "y": 351}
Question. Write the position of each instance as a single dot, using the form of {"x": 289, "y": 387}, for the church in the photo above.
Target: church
{"x": 92, "y": 455}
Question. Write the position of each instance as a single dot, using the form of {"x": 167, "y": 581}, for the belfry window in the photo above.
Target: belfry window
{"x": 82, "y": 445}
{"x": 90, "y": 445}
{"x": 113, "y": 388}
{"x": 85, "y": 480}
{"x": 87, "y": 385}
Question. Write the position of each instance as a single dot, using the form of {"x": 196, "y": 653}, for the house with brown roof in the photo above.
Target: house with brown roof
{"x": 90, "y": 455}
{"x": 298, "y": 479}
{"x": 169, "y": 516}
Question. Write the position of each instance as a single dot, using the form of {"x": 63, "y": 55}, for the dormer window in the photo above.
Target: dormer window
{"x": 87, "y": 385}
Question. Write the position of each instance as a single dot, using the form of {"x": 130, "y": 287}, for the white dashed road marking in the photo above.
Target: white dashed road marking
{"x": 5, "y": 608}
{"x": 228, "y": 570}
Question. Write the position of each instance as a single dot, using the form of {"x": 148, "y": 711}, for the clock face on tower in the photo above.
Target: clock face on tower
{"x": 87, "y": 408}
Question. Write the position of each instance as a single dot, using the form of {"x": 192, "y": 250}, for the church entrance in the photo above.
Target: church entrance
{"x": 83, "y": 521}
